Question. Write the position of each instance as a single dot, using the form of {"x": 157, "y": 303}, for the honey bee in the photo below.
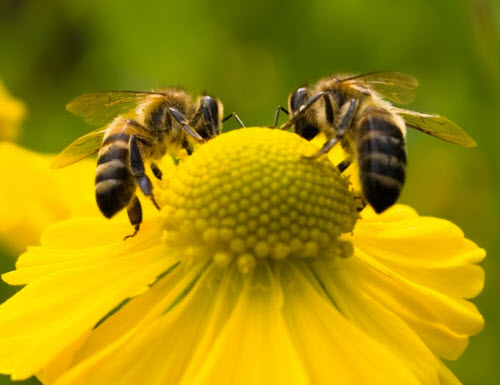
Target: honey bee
{"x": 356, "y": 110}
{"x": 137, "y": 127}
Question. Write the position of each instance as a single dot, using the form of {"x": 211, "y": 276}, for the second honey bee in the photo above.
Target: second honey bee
{"x": 355, "y": 110}
{"x": 137, "y": 128}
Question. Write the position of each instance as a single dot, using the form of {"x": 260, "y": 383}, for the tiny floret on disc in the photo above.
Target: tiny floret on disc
{"x": 249, "y": 195}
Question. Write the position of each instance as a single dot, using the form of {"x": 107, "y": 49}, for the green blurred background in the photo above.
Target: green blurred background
{"x": 251, "y": 54}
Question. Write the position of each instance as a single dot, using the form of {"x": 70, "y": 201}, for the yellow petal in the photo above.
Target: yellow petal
{"x": 444, "y": 323}
{"x": 254, "y": 347}
{"x": 12, "y": 112}
{"x": 333, "y": 349}
{"x": 430, "y": 251}
{"x": 116, "y": 330}
{"x": 420, "y": 268}
{"x": 62, "y": 193}
{"x": 446, "y": 377}
{"x": 62, "y": 361}
{"x": 159, "y": 344}
{"x": 57, "y": 307}
{"x": 25, "y": 211}
{"x": 64, "y": 247}
{"x": 384, "y": 326}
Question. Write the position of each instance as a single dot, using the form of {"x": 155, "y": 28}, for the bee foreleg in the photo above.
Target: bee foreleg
{"x": 181, "y": 119}
{"x": 302, "y": 110}
{"x": 134, "y": 211}
{"x": 234, "y": 115}
{"x": 137, "y": 167}
{"x": 277, "y": 115}
{"x": 344, "y": 125}
{"x": 156, "y": 171}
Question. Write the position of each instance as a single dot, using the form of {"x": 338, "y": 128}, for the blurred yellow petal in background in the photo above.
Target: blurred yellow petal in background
{"x": 34, "y": 196}
{"x": 12, "y": 112}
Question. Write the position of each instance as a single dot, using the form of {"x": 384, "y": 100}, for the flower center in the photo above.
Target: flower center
{"x": 249, "y": 195}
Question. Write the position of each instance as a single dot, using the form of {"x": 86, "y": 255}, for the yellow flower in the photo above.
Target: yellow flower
{"x": 258, "y": 271}
{"x": 34, "y": 196}
{"x": 11, "y": 113}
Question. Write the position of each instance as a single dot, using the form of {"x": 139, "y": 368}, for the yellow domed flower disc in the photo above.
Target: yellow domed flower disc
{"x": 250, "y": 195}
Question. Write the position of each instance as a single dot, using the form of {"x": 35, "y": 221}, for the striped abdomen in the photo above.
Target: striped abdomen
{"x": 114, "y": 183}
{"x": 381, "y": 158}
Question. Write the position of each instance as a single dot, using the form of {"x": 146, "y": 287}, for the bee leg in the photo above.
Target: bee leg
{"x": 360, "y": 202}
{"x": 233, "y": 115}
{"x": 156, "y": 171}
{"x": 137, "y": 167}
{"x": 302, "y": 109}
{"x": 187, "y": 146}
{"x": 342, "y": 166}
{"x": 134, "y": 211}
{"x": 181, "y": 119}
{"x": 345, "y": 124}
{"x": 277, "y": 115}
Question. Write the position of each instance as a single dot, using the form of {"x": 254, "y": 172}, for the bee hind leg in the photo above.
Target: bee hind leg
{"x": 134, "y": 211}
{"x": 137, "y": 167}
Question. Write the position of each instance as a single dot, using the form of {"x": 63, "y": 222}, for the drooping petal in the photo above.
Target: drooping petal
{"x": 254, "y": 346}
{"x": 430, "y": 251}
{"x": 116, "y": 329}
{"x": 159, "y": 343}
{"x": 53, "y": 369}
{"x": 333, "y": 349}
{"x": 434, "y": 309}
{"x": 379, "y": 323}
{"x": 64, "y": 302}
{"x": 446, "y": 377}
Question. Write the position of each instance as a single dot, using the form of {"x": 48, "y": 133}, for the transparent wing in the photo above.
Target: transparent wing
{"x": 81, "y": 148}
{"x": 394, "y": 86}
{"x": 438, "y": 126}
{"x": 100, "y": 108}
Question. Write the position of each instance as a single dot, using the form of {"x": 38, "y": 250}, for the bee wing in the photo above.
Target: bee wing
{"x": 438, "y": 126}
{"x": 100, "y": 108}
{"x": 81, "y": 148}
{"x": 394, "y": 86}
